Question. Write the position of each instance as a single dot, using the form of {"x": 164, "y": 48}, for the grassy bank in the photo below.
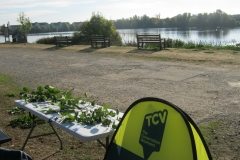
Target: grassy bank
{"x": 41, "y": 147}
{"x": 200, "y": 56}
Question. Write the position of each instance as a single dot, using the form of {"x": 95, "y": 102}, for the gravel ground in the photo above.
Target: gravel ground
{"x": 203, "y": 92}
{"x": 207, "y": 94}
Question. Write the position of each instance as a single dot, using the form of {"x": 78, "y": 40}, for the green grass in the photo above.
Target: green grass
{"x": 209, "y": 52}
{"x": 209, "y": 131}
{"x": 4, "y": 79}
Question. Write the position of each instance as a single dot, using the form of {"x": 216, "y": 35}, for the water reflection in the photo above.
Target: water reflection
{"x": 191, "y": 34}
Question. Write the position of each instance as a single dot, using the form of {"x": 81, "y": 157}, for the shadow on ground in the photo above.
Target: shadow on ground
{"x": 54, "y": 48}
{"x": 90, "y": 49}
{"x": 142, "y": 51}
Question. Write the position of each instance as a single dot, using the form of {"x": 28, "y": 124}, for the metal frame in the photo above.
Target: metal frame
{"x": 33, "y": 117}
{"x": 4, "y": 138}
{"x": 107, "y": 142}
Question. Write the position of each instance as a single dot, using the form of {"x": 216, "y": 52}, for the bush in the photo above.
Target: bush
{"x": 47, "y": 40}
{"x": 174, "y": 43}
{"x": 97, "y": 25}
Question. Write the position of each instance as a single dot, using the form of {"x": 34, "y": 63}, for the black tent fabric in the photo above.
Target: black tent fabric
{"x": 7, "y": 154}
{"x": 153, "y": 129}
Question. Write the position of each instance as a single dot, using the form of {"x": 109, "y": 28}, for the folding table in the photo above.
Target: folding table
{"x": 78, "y": 130}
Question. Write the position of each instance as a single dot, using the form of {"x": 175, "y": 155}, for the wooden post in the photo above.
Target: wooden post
{"x": 6, "y": 34}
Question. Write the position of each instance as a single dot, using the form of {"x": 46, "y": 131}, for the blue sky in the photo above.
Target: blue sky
{"x": 81, "y": 10}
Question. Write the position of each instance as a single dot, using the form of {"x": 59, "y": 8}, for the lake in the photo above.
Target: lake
{"x": 213, "y": 36}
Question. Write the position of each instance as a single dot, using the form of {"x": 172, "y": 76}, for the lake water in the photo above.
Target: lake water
{"x": 223, "y": 36}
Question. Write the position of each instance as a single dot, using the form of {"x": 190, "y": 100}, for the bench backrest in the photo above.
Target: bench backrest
{"x": 149, "y": 37}
{"x": 61, "y": 38}
{"x": 98, "y": 38}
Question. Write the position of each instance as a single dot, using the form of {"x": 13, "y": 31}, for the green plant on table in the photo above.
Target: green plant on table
{"x": 72, "y": 109}
{"x": 42, "y": 94}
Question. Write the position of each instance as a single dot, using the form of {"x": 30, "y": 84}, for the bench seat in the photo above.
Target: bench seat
{"x": 96, "y": 39}
{"x": 141, "y": 39}
{"x": 63, "y": 40}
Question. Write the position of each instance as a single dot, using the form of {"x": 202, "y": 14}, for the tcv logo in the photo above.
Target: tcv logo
{"x": 152, "y": 132}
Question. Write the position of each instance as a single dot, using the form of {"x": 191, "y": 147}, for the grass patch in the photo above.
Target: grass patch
{"x": 7, "y": 81}
{"x": 4, "y": 79}
{"x": 234, "y": 53}
{"x": 111, "y": 53}
{"x": 209, "y": 52}
{"x": 209, "y": 131}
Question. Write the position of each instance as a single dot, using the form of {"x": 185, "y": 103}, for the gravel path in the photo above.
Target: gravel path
{"x": 203, "y": 92}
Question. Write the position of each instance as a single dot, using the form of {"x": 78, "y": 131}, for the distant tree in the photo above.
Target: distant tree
{"x": 97, "y": 25}
{"x": 65, "y": 27}
{"x": 2, "y": 28}
{"x": 25, "y": 24}
{"x": 73, "y": 27}
{"x": 53, "y": 28}
{"x": 201, "y": 20}
{"x": 37, "y": 29}
{"x": 44, "y": 29}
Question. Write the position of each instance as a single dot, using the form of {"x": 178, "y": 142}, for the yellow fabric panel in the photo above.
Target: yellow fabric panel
{"x": 121, "y": 131}
{"x": 201, "y": 151}
{"x": 176, "y": 142}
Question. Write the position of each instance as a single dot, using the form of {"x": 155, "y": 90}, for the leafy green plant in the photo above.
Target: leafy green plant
{"x": 40, "y": 95}
{"x": 24, "y": 121}
{"x": 16, "y": 110}
{"x": 25, "y": 23}
{"x": 10, "y": 95}
{"x": 46, "y": 40}
{"x": 72, "y": 109}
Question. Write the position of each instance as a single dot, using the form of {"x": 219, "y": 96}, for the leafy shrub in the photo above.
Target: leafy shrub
{"x": 97, "y": 25}
{"x": 24, "y": 121}
{"x": 47, "y": 40}
{"x": 174, "y": 43}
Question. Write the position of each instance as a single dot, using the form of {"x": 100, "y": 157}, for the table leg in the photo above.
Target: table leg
{"x": 29, "y": 134}
{"x": 56, "y": 134}
{"x": 107, "y": 142}
{"x": 46, "y": 134}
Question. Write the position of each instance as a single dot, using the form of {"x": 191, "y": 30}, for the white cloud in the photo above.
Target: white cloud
{"x": 13, "y": 4}
{"x": 32, "y": 13}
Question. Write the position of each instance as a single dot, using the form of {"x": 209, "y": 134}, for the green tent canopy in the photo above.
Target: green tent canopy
{"x": 153, "y": 129}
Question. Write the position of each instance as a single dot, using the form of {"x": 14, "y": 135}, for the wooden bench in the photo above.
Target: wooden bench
{"x": 95, "y": 39}
{"x": 141, "y": 39}
{"x": 63, "y": 40}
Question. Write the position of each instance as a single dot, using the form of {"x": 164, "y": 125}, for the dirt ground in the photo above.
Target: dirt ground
{"x": 204, "y": 83}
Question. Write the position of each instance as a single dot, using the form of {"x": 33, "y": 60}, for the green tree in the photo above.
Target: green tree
{"x": 97, "y": 25}
{"x": 65, "y": 27}
{"x": 25, "y": 24}
{"x": 44, "y": 29}
{"x": 2, "y": 28}
{"x": 73, "y": 27}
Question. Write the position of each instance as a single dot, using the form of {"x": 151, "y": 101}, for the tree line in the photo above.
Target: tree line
{"x": 65, "y": 27}
{"x": 218, "y": 19}
{"x": 43, "y": 29}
